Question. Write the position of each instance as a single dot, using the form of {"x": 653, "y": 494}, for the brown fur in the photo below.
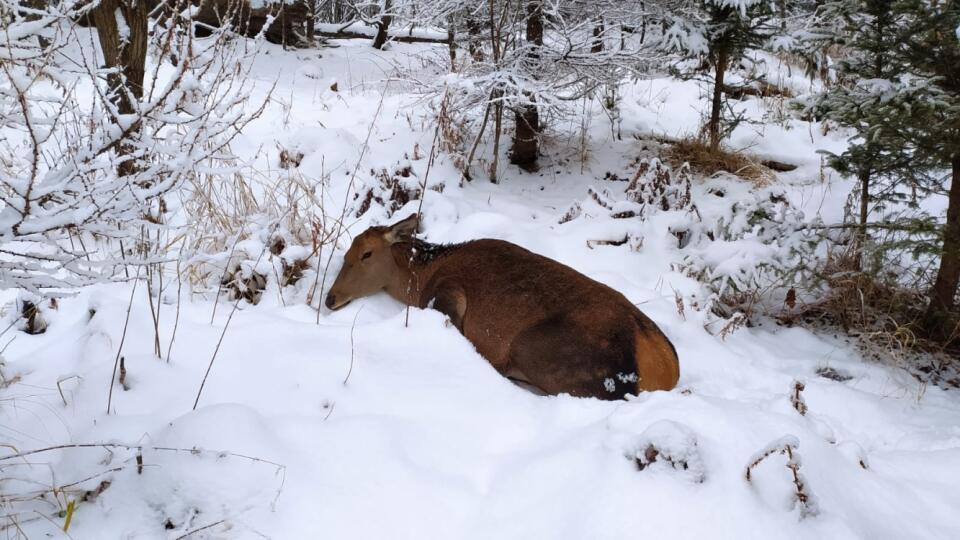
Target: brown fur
{"x": 534, "y": 319}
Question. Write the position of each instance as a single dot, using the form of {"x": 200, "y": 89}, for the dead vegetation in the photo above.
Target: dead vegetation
{"x": 24, "y": 502}
{"x": 883, "y": 317}
{"x": 391, "y": 190}
{"x": 33, "y": 320}
{"x": 796, "y": 398}
{"x": 706, "y": 161}
{"x": 788, "y": 447}
{"x": 757, "y": 89}
{"x": 651, "y": 454}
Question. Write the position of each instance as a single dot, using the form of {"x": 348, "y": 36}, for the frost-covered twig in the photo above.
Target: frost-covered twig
{"x": 123, "y": 337}
{"x": 61, "y": 180}
{"x": 346, "y": 201}
{"x": 796, "y": 398}
{"x": 236, "y": 305}
{"x": 423, "y": 194}
{"x": 787, "y": 446}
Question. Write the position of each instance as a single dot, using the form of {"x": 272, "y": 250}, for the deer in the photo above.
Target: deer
{"x": 537, "y": 321}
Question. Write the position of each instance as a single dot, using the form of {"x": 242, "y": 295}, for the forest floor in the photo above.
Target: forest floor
{"x": 357, "y": 425}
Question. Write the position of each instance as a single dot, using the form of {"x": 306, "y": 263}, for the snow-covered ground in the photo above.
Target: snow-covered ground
{"x": 360, "y": 426}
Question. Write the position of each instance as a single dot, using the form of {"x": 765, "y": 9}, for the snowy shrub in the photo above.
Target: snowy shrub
{"x": 668, "y": 445}
{"x": 84, "y": 166}
{"x": 390, "y": 189}
{"x": 749, "y": 246}
{"x": 656, "y": 186}
{"x": 753, "y": 246}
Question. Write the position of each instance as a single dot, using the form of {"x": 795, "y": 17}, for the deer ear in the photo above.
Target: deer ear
{"x": 402, "y": 231}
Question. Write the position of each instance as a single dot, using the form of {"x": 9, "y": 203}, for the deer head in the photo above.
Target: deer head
{"x": 369, "y": 265}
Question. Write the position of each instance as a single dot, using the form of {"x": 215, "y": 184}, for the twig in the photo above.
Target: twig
{"x": 123, "y": 375}
{"x": 343, "y": 211}
{"x": 423, "y": 193}
{"x": 205, "y": 527}
{"x": 154, "y": 313}
{"x": 226, "y": 268}
{"x": 226, "y": 325}
{"x": 123, "y": 337}
{"x": 796, "y": 398}
{"x": 60, "y": 389}
{"x": 352, "y": 326}
{"x": 176, "y": 317}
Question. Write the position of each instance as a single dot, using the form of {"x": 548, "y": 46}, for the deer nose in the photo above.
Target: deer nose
{"x": 331, "y": 301}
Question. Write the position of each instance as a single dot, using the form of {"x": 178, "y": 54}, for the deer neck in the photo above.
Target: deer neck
{"x": 416, "y": 261}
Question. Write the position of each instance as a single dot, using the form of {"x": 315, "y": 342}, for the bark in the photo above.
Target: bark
{"x": 497, "y": 94}
{"x": 289, "y": 28}
{"x": 938, "y": 317}
{"x": 452, "y": 46}
{"x": 598, "y": 31}
{"x": 860, "y": 239}
{"x": 311, "y": 17}
{"x": 122, "y": 30}
{"x": 526, "y": 138}
{"x": 349, "y": 34}
{"x": 643, "y": 23}
{"x": 474, "y": 42}
{"x": 383, "y": 26}
{"x": 716, "y": 106}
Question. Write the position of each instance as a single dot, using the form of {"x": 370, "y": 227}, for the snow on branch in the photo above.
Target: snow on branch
{"x": 787, "y": 445}
{"x": 78, "y": 172}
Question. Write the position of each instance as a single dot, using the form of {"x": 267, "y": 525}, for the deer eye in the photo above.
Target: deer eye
{"x": 366, "y": 255}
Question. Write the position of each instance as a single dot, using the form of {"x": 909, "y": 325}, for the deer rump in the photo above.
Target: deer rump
{"x": 537, "y": 321}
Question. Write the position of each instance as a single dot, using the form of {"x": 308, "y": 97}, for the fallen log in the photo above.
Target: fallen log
{"x": 288, "y": 26}
{"x": 358, "y": 31}
{"x": 398, "y": 39}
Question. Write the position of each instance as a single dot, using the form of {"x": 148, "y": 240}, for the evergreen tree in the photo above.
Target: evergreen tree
{"x": 719, "y": 32}
{"x": 930, "y": 47}
{"x": 898, "y": 87}
{"x": 867, "y": 96}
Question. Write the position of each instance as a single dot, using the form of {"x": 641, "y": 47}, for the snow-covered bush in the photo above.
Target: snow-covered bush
{"x": 668, "y": 445}
{"x": 79, "y": 174}
{"x": 746, "y": 243}
{"x": 752, "y": 246}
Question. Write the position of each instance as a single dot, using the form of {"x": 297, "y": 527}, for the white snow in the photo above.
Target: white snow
{"x": 362, "y": 427}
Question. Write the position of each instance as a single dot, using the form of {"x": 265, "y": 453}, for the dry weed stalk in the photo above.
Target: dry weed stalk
{"x": 734, "y": 323}
{"x": 123, "y": 337}
{"x": 423, "y": 191}
{"x": 788, "y": 447}
{"x": 61, "y": 491}
{"x": 343, "y": 210}
{"x": 226, "y": 325}
{"x": 796, "y": 398}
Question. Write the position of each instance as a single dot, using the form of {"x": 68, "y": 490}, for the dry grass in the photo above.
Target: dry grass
{"x": 705, "y": 161}
{"x": 884, "y": 317}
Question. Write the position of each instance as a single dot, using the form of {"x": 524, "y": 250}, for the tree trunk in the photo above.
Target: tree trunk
{"x": 383, "y": 26}
{"x": 598, "y": 31}
{"x": 122, "y": 29}
{"x": 311, "y": 18}
{"x": 474, "y": 42}
{"x": 937, "y": 321}
{"x": 643, "y": 24}
{"x": 860, "y": 240}
{"x": 452, "y": 45}
{"x": 496, "y": 96}
{"x": 526, "y": 137}
{"x": 713, "y": 127}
